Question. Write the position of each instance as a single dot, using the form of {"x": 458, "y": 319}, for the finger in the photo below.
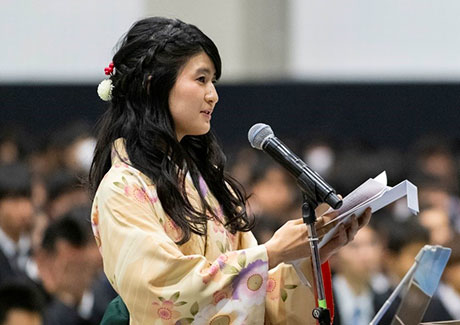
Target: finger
{"x": 331, "y": 215}
{"x": 319, "y": 222}
{"x": 334, "y": 244}
{"x": 321, "y": 209}
{"x": 340, "y": 239}
{"x": 322, "y": 230}
{"x": 297, "y": 221}
{"x": 365, "y": 218}
{"x": 352, "y": 229}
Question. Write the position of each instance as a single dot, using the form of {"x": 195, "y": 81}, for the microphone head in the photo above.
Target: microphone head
{"x": 258, "y": 134}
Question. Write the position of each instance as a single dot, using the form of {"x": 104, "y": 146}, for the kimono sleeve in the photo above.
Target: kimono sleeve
{"x": 288, "y": 300}
{"x": 157, "y": 282}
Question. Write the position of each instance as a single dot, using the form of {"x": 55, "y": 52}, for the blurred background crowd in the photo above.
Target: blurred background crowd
{"x": 349, "y": 92}
{"x": 47, "y": 247}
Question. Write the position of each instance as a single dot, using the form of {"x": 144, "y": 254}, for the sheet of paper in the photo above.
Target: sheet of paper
{"x": 369, "y": 190}
{"x": 375, "y": 202}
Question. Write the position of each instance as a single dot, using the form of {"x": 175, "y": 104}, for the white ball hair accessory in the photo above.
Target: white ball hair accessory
{"x": 104, "y": 90}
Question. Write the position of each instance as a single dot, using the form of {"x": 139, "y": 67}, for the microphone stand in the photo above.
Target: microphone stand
{"x": 321, "y": 313}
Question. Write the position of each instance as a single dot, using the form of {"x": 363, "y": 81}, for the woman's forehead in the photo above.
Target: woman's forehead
{"x": 200, "y": 63}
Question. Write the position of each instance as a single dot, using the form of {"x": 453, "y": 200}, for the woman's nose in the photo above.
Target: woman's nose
{"x": 212, "y": 96}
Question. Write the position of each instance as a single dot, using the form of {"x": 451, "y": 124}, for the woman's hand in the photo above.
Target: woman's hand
{"x": 345, "y": 234}
{"x": 290, "y": 242}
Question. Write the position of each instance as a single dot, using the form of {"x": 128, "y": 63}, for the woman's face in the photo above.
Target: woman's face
{"x": 193, "y": 97}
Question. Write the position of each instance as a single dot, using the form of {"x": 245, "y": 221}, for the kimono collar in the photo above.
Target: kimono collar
{"x": 119, "y": 154}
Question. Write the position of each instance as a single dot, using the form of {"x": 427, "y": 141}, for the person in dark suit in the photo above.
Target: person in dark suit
{"x": 357, "y": 267}
{"x": 16, "y": 217}
{"x": 69, "y": 267}
{"x": 404, "y": 240}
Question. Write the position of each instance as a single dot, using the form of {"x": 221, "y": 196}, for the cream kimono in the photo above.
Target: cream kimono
{"x": 219, "y": 278}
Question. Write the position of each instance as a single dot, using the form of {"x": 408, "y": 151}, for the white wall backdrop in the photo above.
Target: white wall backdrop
{"x": 72, "y": 41}
{"x": 375, "y": 40}
{"x": 61, "y": 41}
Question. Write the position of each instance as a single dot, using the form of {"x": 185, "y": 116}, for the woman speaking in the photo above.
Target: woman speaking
{"x": 171, "y": 225}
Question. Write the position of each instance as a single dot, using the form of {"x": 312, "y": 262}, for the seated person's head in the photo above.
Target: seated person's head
{"x": 404, "y": 240}
{"x": 16, "y": 210}
{"x": 68, "y": 258}
{"x": 20, "y": 304}
{"x": 436, "y": 220}
{"x": 272, "y": 189}
{"x": 74, "y": 146}
{"x": 433, "y": 191}
{"x": 361, "y": 258}
{"x": 65, "y": 191}
{"x": 14, "y": 144}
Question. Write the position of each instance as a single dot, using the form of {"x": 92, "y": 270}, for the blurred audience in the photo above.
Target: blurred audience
{"x": 321, "y": 157}
{"x": 65, "y": 191}
{"x": 433, "y": 156}
{"x": 46, "y": 241}
{"x": 357, "y": 266}
{"x": 73, "y": 147}
{"x": 70, "y": 147}
{"x": 16, "y": 220}
{"x": 436, "y": 221}
{"x": 404, "y": 240}
{"x": 20, "y": 304}
{"x": 69, "y": 266}
{"x": 272, "y": 198}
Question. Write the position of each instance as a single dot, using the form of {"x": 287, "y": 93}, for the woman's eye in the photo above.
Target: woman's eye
{"x": 202, "y": 79}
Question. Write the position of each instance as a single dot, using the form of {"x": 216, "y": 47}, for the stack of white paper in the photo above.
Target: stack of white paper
{"x": 373, "y": 193}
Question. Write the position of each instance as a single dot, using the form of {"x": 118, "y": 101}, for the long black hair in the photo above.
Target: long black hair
{"x": 147, "y": 64}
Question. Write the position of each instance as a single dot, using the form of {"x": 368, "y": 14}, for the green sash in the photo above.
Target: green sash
{"x": 116, "y": 313}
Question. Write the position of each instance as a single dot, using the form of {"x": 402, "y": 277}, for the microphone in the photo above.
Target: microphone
{"x": 261, "y": 137}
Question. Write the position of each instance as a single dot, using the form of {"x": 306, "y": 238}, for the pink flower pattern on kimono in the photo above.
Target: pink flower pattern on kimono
{"x": 222, "y": 259}
{"x": 211, "y": 273}
{"x": 276, "y": 289}
{"x": 165, "y": 311}
{"x": 273, "y": 289}
{"x": 152, "y": 194}
{"x": 137, "y": 192}
{"x": 221, "y": 294}
{"x": 134, "y": 191}
{"x": 228, "y": 258}
{"x": 214, "y": 271}
{"x": 120, "y": 164}
{"x": 172, "y": 230}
